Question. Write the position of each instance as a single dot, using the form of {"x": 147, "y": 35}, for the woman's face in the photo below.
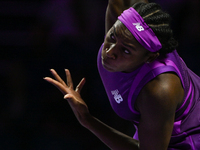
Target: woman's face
{"x": 121, "y": 51}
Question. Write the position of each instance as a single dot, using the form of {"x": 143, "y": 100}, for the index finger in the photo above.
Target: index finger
{"x": 57, "y": 77}
{"x": 57, "y": 84}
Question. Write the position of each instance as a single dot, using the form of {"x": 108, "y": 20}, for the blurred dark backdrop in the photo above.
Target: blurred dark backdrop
{"x": 37, "y": 35}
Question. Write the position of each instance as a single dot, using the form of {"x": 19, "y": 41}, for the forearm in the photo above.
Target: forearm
{"x": 118, "y": 6}
{"x": 115, "y": 8}
{"x": 125, "y": 3}
{"x": 114, "y": 139}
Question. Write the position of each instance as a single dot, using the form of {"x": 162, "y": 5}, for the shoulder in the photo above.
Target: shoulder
{"x": 165, "y": 92}
{"x": 157, "y": 103}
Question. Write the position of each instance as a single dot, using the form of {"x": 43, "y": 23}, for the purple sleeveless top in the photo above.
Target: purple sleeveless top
{"x": 123, "y": 88}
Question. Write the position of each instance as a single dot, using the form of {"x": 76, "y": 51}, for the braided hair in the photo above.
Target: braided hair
{"x": 159, "y": 22}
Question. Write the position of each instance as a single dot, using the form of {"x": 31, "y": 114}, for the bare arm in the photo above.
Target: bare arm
{"x": 109, "y": 136}
{"x": 115, "y": 8}
{"x": 157, "y": 107}
{"x": 158, "y": 102}
{"x": 113, "y": 138}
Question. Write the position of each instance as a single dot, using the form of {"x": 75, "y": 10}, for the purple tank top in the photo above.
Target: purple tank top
{"x": 123, "y": 88}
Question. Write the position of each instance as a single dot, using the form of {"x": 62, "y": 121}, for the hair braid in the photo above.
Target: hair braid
{"x": 159, "y": 22}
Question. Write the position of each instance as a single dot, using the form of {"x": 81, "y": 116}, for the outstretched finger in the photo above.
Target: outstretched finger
{"x": 80, "y": 85}
{"x": 57, "y": 77}
{"x": 69, "y": 79}
{"x": 57, "y": 84}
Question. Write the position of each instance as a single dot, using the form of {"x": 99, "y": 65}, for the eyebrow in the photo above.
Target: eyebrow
{"x": 126, "y": 45}
{"x": 114, "y": 31}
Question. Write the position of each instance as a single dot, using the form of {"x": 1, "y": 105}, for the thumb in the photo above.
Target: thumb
{"x": 68, "y": 96}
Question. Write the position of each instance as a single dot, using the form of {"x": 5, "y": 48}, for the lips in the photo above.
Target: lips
{"x": 106, "y": 64}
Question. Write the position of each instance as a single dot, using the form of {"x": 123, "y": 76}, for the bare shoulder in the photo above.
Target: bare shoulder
{"x": 157, "y": 103}
{"x": 165, "y": 91}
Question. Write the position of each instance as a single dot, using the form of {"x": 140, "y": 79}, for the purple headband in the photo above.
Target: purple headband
{"x": 140, "y": 30}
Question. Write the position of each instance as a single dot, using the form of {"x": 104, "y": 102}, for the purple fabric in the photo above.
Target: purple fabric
{"x": 140, "y": 30}
{"x": 191, "y": 95}
{"x": 146, "y": 69}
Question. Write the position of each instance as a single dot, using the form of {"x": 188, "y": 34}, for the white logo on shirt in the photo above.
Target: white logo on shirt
{"x": 118, "y": 98}
{"x": 138, "y": 26}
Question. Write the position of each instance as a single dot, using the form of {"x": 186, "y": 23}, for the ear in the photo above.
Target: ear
{"x": 152, "y": 57}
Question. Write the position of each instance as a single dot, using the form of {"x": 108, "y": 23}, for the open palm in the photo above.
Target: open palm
{"x": 77, "y": 104}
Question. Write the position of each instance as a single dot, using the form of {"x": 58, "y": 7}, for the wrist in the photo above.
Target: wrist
{"x": 87, "y": 120}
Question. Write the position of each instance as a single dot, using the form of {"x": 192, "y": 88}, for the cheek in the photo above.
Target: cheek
{"x": 132, "y": 62}
{"x": 125, "y": 63}
{"x": 103, "y": 49}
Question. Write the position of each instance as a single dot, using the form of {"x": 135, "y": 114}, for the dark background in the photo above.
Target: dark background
{"x": 37, "y": 35}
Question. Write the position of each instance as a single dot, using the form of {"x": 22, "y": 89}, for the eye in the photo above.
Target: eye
{"x": 112, "y": 36}
{"x": 126, "y": 51}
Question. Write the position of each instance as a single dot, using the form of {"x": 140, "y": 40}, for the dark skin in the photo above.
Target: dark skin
{"x": 157, "y": 101}
{"x": 122, "y": 52}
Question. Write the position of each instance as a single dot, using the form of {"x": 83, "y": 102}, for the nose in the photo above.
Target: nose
{"x": 110, "y": 52}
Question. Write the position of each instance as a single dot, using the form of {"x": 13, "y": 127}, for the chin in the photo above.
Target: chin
{"x": 108, "y": 68}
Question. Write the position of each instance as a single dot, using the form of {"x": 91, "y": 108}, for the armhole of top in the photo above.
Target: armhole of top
{"x": 146, "y": 68}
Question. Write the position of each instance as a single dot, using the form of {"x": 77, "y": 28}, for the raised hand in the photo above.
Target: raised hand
{"x": 77, "y": 104}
